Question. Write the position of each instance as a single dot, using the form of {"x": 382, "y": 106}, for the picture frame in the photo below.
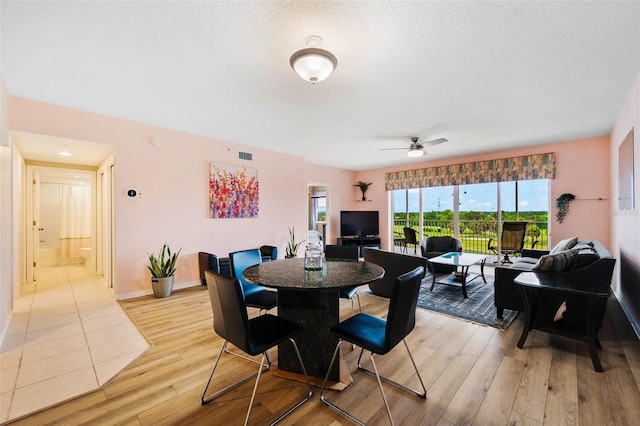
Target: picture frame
{"x": 626, "y": 173}
{"x": 234, "y": 192}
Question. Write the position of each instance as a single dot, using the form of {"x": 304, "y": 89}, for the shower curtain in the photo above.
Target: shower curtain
{"x": 75, "y": 219}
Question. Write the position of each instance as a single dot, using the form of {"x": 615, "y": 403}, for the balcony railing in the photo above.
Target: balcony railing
{"x": 475, "y": 235}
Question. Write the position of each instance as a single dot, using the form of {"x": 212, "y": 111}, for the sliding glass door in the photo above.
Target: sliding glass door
{"x": 474, "y": 213}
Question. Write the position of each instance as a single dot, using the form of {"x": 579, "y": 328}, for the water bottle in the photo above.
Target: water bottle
{"x": 313, "y": 257}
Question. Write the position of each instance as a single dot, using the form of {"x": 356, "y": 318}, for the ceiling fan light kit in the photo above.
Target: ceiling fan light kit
{"x": 415, "y": 151}
{"x": 313, "y": 64}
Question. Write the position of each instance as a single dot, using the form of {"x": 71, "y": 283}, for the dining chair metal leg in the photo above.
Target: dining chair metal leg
{"x": 230, "y": 352}
{"x": 422, "y": 394}
{"x": 384, "y": 397}
{"x": 263, "y": 368}
{"x": 379, "y": 379}
{"x": 326, "y": 401}
{"x": 233, "y": 386}
{"x": 353, "y": 345}
{"x": 309, "y": 395}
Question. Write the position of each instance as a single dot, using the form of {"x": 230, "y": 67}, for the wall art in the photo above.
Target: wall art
{"x": 234, "y": 192}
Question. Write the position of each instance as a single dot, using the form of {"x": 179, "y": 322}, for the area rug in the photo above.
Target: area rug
{"x": 478, "y": 307}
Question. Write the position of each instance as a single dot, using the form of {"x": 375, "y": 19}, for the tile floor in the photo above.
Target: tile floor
{"x": 67, "y": 336}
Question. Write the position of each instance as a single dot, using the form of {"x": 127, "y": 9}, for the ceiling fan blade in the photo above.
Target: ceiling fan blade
{"x": 435, "y": 142}
{"x": 392, "y": 149}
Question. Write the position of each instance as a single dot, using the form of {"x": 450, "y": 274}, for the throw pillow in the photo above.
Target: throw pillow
{"x": 562, "y": 261}
{"x": 543, "y": 264}
{"x": 564, "y": 245}
{"x": 558, "y": 262}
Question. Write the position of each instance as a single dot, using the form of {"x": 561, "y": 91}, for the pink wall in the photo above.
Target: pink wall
{"x": 582, "y": 168}
{"x": 173, "y": 181}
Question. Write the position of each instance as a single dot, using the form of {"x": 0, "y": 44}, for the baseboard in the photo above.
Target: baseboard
{"x": 627, "y": 312}
{"x": 149, "y": 291}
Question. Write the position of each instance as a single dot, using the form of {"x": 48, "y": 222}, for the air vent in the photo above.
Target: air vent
{"x": 245, "y": 156}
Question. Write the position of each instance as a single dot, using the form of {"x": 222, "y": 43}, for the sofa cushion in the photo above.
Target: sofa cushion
{"x": 564, "y": 245}
{"x": 558, "y": 262}
{"x": 525, "y": 260}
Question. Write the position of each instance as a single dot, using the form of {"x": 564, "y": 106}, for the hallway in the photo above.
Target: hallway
{"x": 67, "y": 336}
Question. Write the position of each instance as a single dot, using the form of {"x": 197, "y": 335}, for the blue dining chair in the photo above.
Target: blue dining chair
{"x": 333, "y": 251}
{"x": 255, "y": 296}
{"x": 379, "y": 336}
{"x": 253, "y": 336}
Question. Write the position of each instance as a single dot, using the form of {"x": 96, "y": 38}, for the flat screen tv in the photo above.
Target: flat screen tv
{"x": 359, "y": 223}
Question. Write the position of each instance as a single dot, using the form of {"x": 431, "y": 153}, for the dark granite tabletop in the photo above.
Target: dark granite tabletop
{"x": 290, "y": 273}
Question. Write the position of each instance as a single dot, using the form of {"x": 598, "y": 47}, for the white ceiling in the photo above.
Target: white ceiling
{"x": 485, "y": 75}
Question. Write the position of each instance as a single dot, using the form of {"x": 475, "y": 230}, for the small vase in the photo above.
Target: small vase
{"x": 162, "y": 287}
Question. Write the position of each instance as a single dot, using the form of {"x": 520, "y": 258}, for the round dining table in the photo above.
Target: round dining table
{"x": 311, "y": 299}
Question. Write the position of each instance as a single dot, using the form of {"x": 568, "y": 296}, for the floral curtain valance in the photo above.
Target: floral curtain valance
{"x": 538, "y": 166}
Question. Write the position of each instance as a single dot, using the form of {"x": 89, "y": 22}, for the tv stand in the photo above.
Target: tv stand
{"x": 360, "y": 242}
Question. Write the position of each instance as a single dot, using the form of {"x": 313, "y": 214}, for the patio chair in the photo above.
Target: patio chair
{"x": 411, "y": 237}
{"x": 511, "y": 240}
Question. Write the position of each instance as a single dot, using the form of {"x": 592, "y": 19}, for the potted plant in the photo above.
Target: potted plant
{"x": 363, "y": 187}
{"x": 562, "y": 203}
{"x": 292, "y": 246}
{"x": 162, "y": 268}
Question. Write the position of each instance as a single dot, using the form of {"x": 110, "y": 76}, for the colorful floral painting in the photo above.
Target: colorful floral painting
{"x": 234, "y": 192}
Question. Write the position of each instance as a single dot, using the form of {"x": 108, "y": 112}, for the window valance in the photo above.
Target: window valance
{"x": 528, "y": 167}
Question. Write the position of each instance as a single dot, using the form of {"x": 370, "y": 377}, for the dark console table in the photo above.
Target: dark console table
{"x": 360, "y": 242}
{"x": 585, "y": 296}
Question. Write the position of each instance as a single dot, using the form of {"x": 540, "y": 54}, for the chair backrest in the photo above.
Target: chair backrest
{"x": 402, "y": 307}
{"x": 441, "y": 244}
{"x": 241, "y": 260}
{"x": 333, "y": 251}
{"x": 513, "y": 234}
{"x": 269, "y": 252}
{"x": 410, "y": 235}
{"x": 208, "y": 262}
{"x": 230, "y": 319}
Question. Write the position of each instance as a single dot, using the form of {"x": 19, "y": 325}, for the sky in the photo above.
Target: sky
{"x": 533, "y": 195}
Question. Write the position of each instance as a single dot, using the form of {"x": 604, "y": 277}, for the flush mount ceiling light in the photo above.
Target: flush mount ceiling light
{"x": 65, "y": 152}
{"x": 313, "y": 64}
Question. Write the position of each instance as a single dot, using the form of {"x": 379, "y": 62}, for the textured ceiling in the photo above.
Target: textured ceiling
{"x": 485, "y": 75}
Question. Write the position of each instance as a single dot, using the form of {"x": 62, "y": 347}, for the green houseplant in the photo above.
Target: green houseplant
{"x": 363, "y": 187}
{"x": 292, "y": 246}
{"x": 562, "y": 203}
{"x": 162, "y": 268}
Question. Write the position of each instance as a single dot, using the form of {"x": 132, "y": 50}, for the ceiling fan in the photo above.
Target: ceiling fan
{"x": 416, "y": 149}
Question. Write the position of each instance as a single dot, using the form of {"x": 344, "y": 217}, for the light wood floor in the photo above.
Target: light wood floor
{"x": 473, "y": 374}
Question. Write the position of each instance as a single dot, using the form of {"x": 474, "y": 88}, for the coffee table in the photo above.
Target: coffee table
{"x": 461, "y": 261}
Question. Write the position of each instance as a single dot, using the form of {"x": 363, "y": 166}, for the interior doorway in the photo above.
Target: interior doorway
{"x": 318, "y": 212}
{"x": 61, "y": 211}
